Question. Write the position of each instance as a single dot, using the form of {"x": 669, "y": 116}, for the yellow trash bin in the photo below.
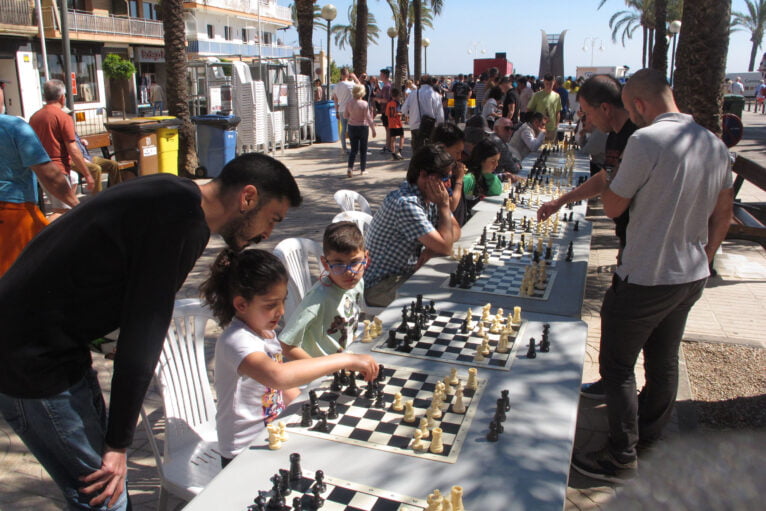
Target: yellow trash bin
{"x": 167, "y": 143}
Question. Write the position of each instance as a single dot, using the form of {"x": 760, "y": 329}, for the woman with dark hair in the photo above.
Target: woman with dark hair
{"x": 480, "y": 181}
{"x": 492, "y": 108}
{"x": 452, "y": 138}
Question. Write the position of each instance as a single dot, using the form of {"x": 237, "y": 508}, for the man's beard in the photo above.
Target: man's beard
{"x": 233, "y": 232}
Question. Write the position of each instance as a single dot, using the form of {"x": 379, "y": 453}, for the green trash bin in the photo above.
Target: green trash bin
{"x": 733, "y": 104}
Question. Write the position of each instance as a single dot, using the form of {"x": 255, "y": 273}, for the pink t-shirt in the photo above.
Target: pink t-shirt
{"x": 358, "y": 113}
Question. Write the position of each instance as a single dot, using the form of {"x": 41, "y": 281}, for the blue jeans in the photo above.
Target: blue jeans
{"x": 343, "y": 130}
{"x": 157, "y": 105}
{"x": 359, "y": 136}
{"x": 66, "y": 433}
{"x": 461, "y": 107}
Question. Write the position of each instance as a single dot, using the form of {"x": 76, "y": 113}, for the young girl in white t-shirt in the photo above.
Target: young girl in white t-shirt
{"x": 246, "y": 292}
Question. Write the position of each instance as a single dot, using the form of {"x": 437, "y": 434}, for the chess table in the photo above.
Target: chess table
{"x": 527, "y": 469}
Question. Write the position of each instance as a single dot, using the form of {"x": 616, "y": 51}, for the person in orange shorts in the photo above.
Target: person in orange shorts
{"x": 21, "y": 165}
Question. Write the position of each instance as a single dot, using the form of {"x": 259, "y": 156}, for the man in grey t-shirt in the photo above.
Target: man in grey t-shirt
{"x": 675, "y": 179}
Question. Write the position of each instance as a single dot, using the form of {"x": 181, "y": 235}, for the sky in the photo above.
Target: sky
{"x": 513, "y": 27}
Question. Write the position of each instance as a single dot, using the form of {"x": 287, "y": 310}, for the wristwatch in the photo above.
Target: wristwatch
{"x": 609, "y": 174}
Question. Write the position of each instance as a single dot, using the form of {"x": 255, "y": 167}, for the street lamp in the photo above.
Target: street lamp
{"x": 392, "y": 33}
{"x": 328, "y": 13}
{"x": 426, "y": 42}
{"x": 590, "y": 42}
{"x": 675, "y": 28}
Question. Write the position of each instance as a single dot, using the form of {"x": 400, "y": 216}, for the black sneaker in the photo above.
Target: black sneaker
{"x": 593, "y": 390}
{"x": 603, "y": 466}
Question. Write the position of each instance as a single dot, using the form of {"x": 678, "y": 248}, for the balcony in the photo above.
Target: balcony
{"x": 15, "y": 12}
{"x": 263, "y": 8}
{"x": 85, "y": 22}
{"x": 217, "y": 49}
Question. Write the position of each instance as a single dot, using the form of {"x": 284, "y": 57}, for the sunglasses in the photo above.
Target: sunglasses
{"x": 341, "y": 268}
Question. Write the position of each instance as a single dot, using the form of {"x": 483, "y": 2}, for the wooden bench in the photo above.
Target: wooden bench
{"x": 103, "y": 141}
{"x": 749, "y": 219}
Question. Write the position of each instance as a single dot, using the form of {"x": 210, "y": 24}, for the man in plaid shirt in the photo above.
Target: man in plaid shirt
{"x": 413, "y": 224}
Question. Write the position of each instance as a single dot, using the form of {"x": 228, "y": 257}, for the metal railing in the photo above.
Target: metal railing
{"x": 268, "y": 8}
{"x": 100, "y": 24}
{"x": 246, "y": 50}
{"x": 15, "y": 12}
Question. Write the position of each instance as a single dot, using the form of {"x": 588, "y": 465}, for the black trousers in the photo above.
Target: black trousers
{"x": 636, "y": 318}
{"x": 419, "y": 139}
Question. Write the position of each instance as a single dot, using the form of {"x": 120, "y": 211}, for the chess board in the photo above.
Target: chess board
{"x": 443, "y": 341}
{"x": 509, "y": 253}
{"x": 505, "y": 279}
{"x": 358, "y": 423}
{"x": 340, "y": 495}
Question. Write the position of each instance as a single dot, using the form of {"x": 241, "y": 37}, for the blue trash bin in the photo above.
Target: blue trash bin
{"x": 326, "y": 121}
{"x": 216, "y": 142}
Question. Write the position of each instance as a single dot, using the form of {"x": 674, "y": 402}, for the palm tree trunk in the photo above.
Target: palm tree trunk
{"x": 176, "y": 89}
{"x": 650, "y": 50}
{"x": 359, "y": 56}
{"x": 701, "y": 60}
{"x": 417, "y": 4}
{"x": 305, "y": 14}
{"x": 660, "y": 53}
{"x": 753, "y": 53}
{"x": 645, "y": 45}
{"x": 402, "y": 44}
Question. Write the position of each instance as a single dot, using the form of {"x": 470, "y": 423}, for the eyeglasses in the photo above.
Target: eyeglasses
{"x": 341, "y": 268}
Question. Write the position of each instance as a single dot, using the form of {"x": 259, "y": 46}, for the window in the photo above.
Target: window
{"x": 267, "y": 37}
{"x": 150, "y": 11}
{"x": 244, "y": 35}
{"x": 210, "y": 31}
{"x": 84, "y": 68}
{"x": 133, "y": 8}
{"x": 228, "y": 33}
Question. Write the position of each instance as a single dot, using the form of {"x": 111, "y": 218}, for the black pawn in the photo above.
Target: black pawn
{"x": 319, "y": 485}
{"x": 506, "y": 400}
{"x": 493, "y": 436}
{"x": 531, "y": 353}
{"x": 306, "y": 420}
{"x": 545, "y": 344}
{"x": 343, "y": 377}
{"x": 352, "y": 389}
{"x": 548, "y": 253}
{"x": 390, "y": 343}
{"x": 295, "y": 467}
{"x": 452, "y": 279}
{"x": 332, "y": 411}
{"x": 297, "y": 504}
{"x": 321, "y": 424}
{"x": 317, "y": 501}
{"x": 314, "y": 403}
{"x": 259, "y": 503}
{"x": 464, "y": 326}
{"x": 370, "y": 391}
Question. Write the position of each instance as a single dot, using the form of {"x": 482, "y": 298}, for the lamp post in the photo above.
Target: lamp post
{"x": 392, "y": 33}
{"x": 328, "y": 13}
{"x": 675, "y": 28}
{"x": 426, "y": 43}
{"x": 590, "y": 42}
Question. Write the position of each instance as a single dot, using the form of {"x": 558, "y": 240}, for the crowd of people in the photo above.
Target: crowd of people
{"x": 91, "y": 272}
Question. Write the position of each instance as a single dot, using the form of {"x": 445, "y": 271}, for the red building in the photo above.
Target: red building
{"x": 500, "y": 62}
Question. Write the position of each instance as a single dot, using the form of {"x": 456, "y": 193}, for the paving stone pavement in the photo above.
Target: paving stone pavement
{"x": 731, "y": 310}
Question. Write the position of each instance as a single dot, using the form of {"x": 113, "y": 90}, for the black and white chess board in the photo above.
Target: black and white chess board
{"x": 443, "y": 339}
{"x": 359, "y": 423}
{"x": 505, "y": 279}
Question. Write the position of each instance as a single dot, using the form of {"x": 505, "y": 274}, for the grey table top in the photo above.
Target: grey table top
{"x": 526, "y": 470}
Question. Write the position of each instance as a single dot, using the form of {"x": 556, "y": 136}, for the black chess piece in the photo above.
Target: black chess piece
{"x": 352, "y": 389}
{"x": 317, "y": 501}
{"x": 297, "y": 504}
{"x": 500, "y": 410}
{"x": 343, "y": 377}
{"x": 419, "y": 306}
{"x": 335, "y": 385}
{"x": 319, "y": 483}
{"x": 370, "y": 390}
{"x": 548, "y": 253}
{"x": 295, "y": 467}
{"x": 545, "y": 343}
{"x": 277, "y": 500}
{"x": 531, "y": 353}
{"x": 493, "y": 436}
{"x": 499, "y": 423}
{"x": 452, "y": 279}
{"x": 321, "y": 424}
{"x": 306, "y": 420}
{"x": 506, "y": 400}
{"x": 379, "y": 401}
{"x": 390, "y": 343}
{"x": 403, "y": 325}
{"x": 576, "y": 226}
{"x": 284, "y": 486}
{"x": 464, "y": 326}
{"x": 381, "y": 373}
{"x": 332, "y": 410}
{"x": 314, "y": 403}
{"x": 432, "y": 309}
{"x": 570, "y": 252}
{"x": 259, "y": 503}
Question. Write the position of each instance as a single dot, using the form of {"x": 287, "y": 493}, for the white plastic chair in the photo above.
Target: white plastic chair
{"x": 361, "y": 219}
{"x": 349, "y": 200}
{"x": 296, "y": 254}
{"x": 190, "y": 457}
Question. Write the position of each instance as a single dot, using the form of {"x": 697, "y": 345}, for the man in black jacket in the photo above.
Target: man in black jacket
{"x": 115, "y": 261}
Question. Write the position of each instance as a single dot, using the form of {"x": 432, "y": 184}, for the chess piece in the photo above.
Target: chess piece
{"x": 436, "y": 411}
{"x": 319, "y": 483}
{"x": 493, "y": 436}
{"x": 480, "y": 331}
{"x": 479, "y": 357}
{"x": 448, "y": 389}
{"x": 457, "y": 405}
{"x": 500, "y": 409}
{"x": 321, "y": 424}
{"x": 485, "y": 349}
{"x": 456, "y": 498}
{"x": 297, "y": 504}
{"x": 437, "y": 447}
{"x": 335, "y": 385}
{"x": 284, "y": 484}
{"x": 502, "y": 345}
{"x": 379, "y": 401}
{"x": 409, "y": 411}
{"x": 531, "y": 353}
{"x": 430, "y": 418}
{"x": 378, "y": 326}
{"x": 398, "y": 405}
{"x": 317, "y": 501}
{"x": 306, "y": 420}
{"x": 516, "y": 316}
{"x": 295, "y": 467}
{"x": 506, "y": 400}
{"x": 423, "y": 427}
{"x": 282, "y": 431}
{"x": 417, "y": 443}
{"x": 332, "y": 410}
{"x": 274, "y": 441}
{"x": 366, "y": 335}
{"x": 453, "y": 378}
{"x": 352, "y": 389}
{"x": 434, "y": 501}
{"x": 472, "y": 384}
{"x": 469, "y": 320}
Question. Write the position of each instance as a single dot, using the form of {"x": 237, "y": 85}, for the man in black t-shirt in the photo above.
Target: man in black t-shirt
{"x": 115, "y": 261}
{"x": 461, "y": 91}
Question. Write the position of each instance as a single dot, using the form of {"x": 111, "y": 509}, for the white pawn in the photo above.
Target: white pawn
{"x": 472, "y": 384}
{"x": 448, "y": 389}
{"x": 436, "y": 411}
{"x": 434, "y": 501}
{"x": 497, "y": 326}
{"x": 418, "y": 444}
{"x": 453, "y": 379}
{"x": 366, "y": 336}
{"x": 479, "y": 357}
{"x": 485, "y": 349}
{"x": 469, "y": 319}
{"x": 282, "y": 431}
{"x": 446, "y": 505}
{"x": 409, "y": 411}
{"x": 274, "y": 441}
{"x": 398, "y": 405}
{"x": 437, "y": 447}
{"x": 423, "y": 427}
{"x": 458, "y": 406}
{"x": 430, "y": 418}
{"x": 480, "y": 331}
{"x": 378, "y": 324}
{"x": 516, "y": 316}
{"x": 456, "y": 496}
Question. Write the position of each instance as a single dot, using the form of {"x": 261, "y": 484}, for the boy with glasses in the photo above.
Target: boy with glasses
{"x": 326, "y": 319}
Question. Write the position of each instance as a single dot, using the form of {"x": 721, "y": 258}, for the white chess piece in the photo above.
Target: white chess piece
{"x": 469, "y": 319}
{"x": 417, "y": 442}
{"x": 376, "y": 321}
{"x": 502, "y": 345}
{"x": 434, "y": 501}
{"x": 448, "y": 388}
{"x": 430, "y": 418}
{"x": 516, "y": 316}
{"x": 409, "y": 411}
{"x": 423, "y": 427}
{"x": 398, "y": 405}
{"x": 472, "y": 384}
{"x": 446, "y": 504}
{"x": 437, "y": 447}
{"x": 282, "y": 431}
{"x": 485, "y": 349}
{"x": 366, "y": 336}
{"x": 274, "y": 441}
{"x": 479, "y": 357}
{"x": 453, "y": 379}
{"x": 458, "y": 406}
{"x": 456, "y": 496}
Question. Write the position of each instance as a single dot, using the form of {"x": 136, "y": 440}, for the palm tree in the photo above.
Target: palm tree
{"x": 701, "y": 57}
{"x": 426, "y": 18}
{"x": 417, "y": 18}
{"x": 755, "y": 22}
{"x": 359, "y": 54}
{"x": 400, "y": 10}
{"x": 346, "y": 34}
{"x": 176, "y": 88}
{"x": 625, "y": 23}
{"x": 660, "y": 53}
{"x": 304, "y": 13}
